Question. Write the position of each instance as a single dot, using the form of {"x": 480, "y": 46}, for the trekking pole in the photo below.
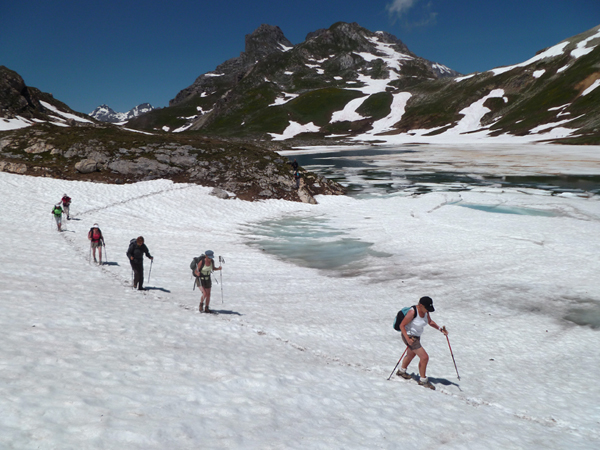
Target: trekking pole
{"x": 397, "y": 363}
{"x": 105, "y": 255}
{"x": 450, "y": 347}
{"x": 221, "y": 262}
{"x": 150, "y": 272}
{"x": 90, "y": 255}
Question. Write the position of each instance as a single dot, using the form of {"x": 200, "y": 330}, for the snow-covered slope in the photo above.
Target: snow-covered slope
{"x": 298, "y": 357}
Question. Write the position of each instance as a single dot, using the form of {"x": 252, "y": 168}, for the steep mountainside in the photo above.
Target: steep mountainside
{"x": 241, "y": 96}
{"x": 22, "y": 105}
{"x": 104, "y": 113}
{"x": 348, "y": 84}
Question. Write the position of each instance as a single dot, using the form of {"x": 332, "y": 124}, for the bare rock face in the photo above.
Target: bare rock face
{"x": 15, "y": 97}
{"x": 12, "y": 167}
{"x": 39, "y": 147}
{"x": 86, "y": 166}
{"x": 142, "y": 166}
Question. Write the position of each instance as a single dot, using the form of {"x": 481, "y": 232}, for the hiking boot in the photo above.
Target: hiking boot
{"x": 425, "y": 382}
{"x": 201, "y": 307}
{"x": 206, "y": 310}
{"x": 404, "y": 375}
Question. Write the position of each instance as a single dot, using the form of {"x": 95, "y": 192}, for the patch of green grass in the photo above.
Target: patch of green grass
{"x": 377, "y": 106}
{"x": 318, "y": 106}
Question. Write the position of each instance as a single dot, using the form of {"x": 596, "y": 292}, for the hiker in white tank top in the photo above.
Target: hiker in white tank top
{"x": 412, "y": 328}
{"x": 205, "y": 267}
{"x": 416, "y": 326}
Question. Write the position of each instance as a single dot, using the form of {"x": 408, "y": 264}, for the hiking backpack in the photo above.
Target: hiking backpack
{"x": 91, "y": 233}
{"x": 401, "y": 315}
{"x": 195, "y": 261}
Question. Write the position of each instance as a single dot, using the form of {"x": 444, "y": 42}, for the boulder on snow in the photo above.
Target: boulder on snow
{"x": 220, "y": 193}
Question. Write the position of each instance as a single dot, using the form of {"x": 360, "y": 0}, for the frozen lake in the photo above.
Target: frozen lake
{"x": 425, "y": 168}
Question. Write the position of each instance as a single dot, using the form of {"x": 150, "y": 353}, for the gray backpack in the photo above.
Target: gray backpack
{"x": 195, "y": 261}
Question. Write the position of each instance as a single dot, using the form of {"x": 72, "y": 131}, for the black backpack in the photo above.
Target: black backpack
{"x": 131, "y": 244}
{"x": 195, "y": 261}
{"x": 401, "y": 315}
{"x": 101, "y": 238}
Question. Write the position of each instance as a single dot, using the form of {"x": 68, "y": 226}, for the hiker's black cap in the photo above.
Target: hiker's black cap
{"x": 427, "y": 303}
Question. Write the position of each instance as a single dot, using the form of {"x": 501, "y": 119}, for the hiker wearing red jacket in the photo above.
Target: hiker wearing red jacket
{"x": 66, "y": 202}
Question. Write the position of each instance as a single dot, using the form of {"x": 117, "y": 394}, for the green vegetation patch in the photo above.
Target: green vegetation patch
{"x": 318, "y": 106}
{"x": 377, "y": 106}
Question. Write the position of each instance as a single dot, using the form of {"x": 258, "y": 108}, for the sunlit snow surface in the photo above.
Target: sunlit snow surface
{"x": 299, "y": 356}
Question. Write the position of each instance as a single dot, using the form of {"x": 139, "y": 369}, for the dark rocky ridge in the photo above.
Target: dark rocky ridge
{"x": 111, "y": 155}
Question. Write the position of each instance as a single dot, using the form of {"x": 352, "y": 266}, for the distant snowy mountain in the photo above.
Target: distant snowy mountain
{"x": 104, "y": 113}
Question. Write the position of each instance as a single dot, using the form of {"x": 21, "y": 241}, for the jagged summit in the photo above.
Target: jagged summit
{"x": 264, "y": 41}
{"x": 272, "y": 71}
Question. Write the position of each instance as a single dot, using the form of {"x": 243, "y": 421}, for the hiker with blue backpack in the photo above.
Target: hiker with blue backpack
{"x": 205, "y": 266}
{"x": 411, "y": 322}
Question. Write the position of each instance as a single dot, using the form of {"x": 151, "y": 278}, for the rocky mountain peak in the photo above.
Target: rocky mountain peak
{"x": 265, "y": 40}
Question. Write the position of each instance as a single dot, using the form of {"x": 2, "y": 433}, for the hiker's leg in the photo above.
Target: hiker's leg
{"x": 410, "y": 354}
{"x": 141, "y": 271}
{"x": 408, "y": 358}
{"x": 203, "y": 298}
{"x": 136, "y": 274}
{"x": 423, "y": 360}
{"x": 100, "y": 253}
{"x": 207, "y": 299}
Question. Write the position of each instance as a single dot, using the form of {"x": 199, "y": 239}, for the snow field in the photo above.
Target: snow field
{"x": 298, "y": 357}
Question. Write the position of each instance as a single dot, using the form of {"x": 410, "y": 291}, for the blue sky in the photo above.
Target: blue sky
{"x": 128, "y": 52}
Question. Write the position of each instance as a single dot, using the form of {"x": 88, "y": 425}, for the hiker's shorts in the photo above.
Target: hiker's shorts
{"x": 58, "y": 219}
{"x": 96, "y": 244}
{"x": 416, "y": 343}
{"x": 205, "y": 282}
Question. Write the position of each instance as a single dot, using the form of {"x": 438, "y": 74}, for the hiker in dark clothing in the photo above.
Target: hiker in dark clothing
{"x": 297, "y": 178}
{"x": 135, "y": 253}
{"x": 295, "y": 165}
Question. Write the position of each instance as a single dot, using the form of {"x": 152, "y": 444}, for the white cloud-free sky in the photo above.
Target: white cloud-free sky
{"x": 124, "y": 53}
